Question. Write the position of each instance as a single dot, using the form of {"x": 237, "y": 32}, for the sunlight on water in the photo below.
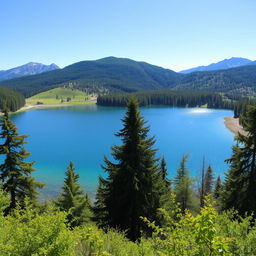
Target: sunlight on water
{"x": 200, "y": 111}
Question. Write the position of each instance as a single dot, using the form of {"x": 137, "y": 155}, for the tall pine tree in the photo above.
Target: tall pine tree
{"x": 208, "y": 181}
{"x": 239, "y": 187}
{"x": 183, "y": 186}
{"x": 15, "y": 173}
{"x": 132, "y": 188}
{"x": 73, "y": 200}
{"x": 218, "y": 188}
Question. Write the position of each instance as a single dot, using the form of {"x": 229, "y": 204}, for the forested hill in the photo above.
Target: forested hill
{"x": 240, "y": 80}
{"x": 124, "y": 75}
{"x": 10, "y": 99}
{"x": 115, "y": 74}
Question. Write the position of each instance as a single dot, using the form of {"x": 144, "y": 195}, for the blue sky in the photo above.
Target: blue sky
{"x": 175, "y": 34}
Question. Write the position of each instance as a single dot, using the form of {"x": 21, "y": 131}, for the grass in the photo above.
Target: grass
{"x": 59, "y": 96}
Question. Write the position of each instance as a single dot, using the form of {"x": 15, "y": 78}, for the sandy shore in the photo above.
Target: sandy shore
{"x": 233, "y": 125}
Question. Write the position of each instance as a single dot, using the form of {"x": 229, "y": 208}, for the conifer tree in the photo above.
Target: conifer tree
{"x": 165, "y": 188}
{"x": 164, "y": 174}
{"x": 208, "y": 181}
{"x": 183, "y": 186}
{"x": 217, "y": 189}
{"x": 73, "y": 200}
{"x": 240, "y": 183}
{"x": 14, "y": 171}
{"x": 202, "y": 185}
{"x": 132, "y": 188}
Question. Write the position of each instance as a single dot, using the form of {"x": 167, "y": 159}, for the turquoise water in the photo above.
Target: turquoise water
{"x": 84, "y": 134}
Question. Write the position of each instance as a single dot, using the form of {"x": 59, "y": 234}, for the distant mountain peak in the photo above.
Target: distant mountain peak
{"x": 223, "y": 64}
{"x": 31, "y": 68}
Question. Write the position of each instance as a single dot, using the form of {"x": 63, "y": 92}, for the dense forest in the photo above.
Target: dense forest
{"x": 124, "y": 75}
{"x": 138, "y": 210}
{"x": 169, "y": 98}
{"x": 11, "y": 99}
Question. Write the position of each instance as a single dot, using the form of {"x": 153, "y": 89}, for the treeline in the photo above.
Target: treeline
{"x": 169, "y": 98}
{"x": 138, "y": 209}
{"x": 10, "y": 99}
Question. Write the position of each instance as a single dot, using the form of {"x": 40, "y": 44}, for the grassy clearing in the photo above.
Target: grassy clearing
{"x": 59, "y": 96}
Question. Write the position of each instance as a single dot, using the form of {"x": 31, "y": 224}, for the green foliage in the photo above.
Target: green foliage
{"x": 72, "y": 200}
{"x": 28, "y": 233}
{"x": 10, "y": 99}
{"x": 14, "y": 171}
{"x": 45, "y": 233}
{"x": 239, "y": 187}
{"x": 189, "y": 235}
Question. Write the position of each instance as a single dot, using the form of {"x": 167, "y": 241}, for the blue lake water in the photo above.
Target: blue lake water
{"x": 84, "y": 134}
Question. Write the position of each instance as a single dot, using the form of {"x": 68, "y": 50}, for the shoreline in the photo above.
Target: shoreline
{"x": 233, "y": 125}
{"x": 29, "y": 107}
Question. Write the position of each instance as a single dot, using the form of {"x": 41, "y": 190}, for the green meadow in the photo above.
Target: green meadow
{"x": 59, "y": 96}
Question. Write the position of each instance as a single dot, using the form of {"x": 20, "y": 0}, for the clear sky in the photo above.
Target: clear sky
{"x": 175, "y": 34}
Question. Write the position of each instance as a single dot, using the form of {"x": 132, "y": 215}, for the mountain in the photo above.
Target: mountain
{"x": 114, "y": 74}
{"x": 125, "y": 75}
{"x": 240, "y": 80}
{"x": 224, "y": 64}
{"x": 30, "y": 68}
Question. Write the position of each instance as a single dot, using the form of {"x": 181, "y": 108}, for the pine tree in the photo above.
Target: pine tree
{"x": 202, "y": 185}
{"x": 217, "y": 189}
{"x": 14, "y": 171}
{"x": 164, "y": 174}
{"x": 131, "y": 189}
{"x": 208, "y": 181}
{"x": 165, "y": 186}
{"x": 183, "y": 186}
{"x": 240, "y": 183}
{"x": 73, "y": 200}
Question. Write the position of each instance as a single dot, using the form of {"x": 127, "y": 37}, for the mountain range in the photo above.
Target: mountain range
{"x": 224, "y": 64}
{"x": 31, "y": 68}
{"x": 125, "y": 75}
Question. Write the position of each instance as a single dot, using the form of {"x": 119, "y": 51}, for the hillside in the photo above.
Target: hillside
{"x": 224, "y": 64}
{"x": 10, "y": 99}
{"x": 30, "y": 68}
{"x": 241, "y": 80}
{"x": 115, "y": 74}
{"x": 58, "y": 96}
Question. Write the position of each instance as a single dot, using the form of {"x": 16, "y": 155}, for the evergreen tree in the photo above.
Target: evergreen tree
{"x": 240, "y": 183}
{"x": 202, "y": 185}
{"x": 164, "y": 174}
{"x": 73, "y": 200}
{"x": 183, "y": 186}
{"x": 132, "y": 188}
{"x": 165, "y": 189}
{"x": 208, "y": 181}
{"x": 14, "y": 171}
{"x": 217, "y": 189}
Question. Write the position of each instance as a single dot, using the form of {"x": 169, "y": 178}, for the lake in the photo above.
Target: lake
{"x": 84, "y": 134}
